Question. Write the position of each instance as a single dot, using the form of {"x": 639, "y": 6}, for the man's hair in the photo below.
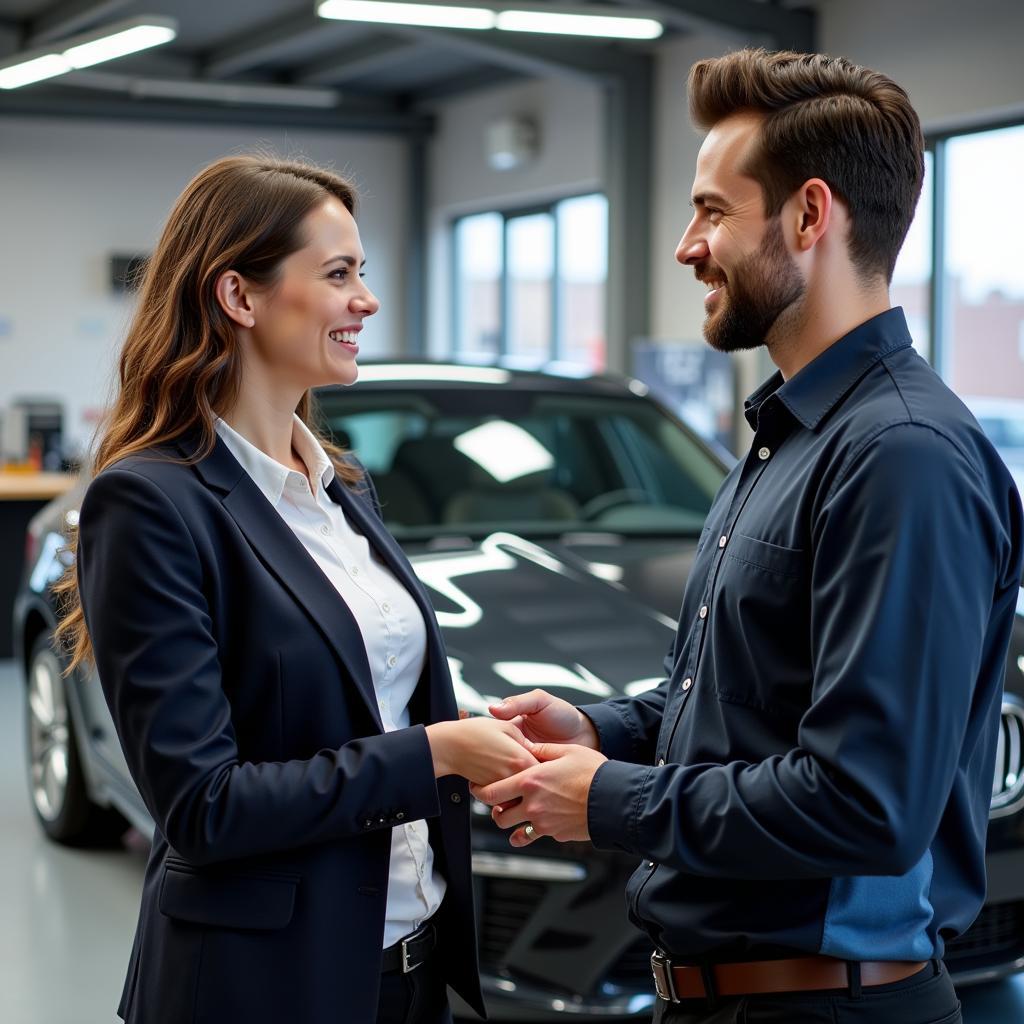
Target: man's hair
{"x": 824, "y": 117}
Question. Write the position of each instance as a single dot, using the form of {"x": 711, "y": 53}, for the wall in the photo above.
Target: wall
{"x": 568, "y": 114}
{"x": 73, "y": 193}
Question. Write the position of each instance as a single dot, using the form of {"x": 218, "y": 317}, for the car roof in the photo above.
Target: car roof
{"x": 416, "y": 374}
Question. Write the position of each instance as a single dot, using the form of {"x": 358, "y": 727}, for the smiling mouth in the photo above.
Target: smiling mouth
{"x": 345, "y": 337}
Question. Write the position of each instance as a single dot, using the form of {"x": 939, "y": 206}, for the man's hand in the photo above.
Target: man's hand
{"x": 552, "y": 796}
{"x": 547, "y": 719}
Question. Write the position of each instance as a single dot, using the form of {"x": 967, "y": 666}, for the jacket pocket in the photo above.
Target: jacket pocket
{"x": 263, "y": 900}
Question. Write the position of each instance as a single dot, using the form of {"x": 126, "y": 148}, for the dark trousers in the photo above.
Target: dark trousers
{"x": 927, "y": 997}
{"x": 419, "y": 997}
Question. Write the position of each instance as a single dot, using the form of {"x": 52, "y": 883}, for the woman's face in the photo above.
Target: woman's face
{"x": 306, "y": 325}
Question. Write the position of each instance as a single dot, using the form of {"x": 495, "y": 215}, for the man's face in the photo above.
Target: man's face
{"x": 740, "y": 254}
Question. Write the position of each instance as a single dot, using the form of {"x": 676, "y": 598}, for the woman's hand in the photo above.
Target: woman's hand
{"x": 482, "y": 750}
{"x": 543, "y": 718}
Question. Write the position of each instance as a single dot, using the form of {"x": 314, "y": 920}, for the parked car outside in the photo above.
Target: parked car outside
{"x": 554, "y": 522}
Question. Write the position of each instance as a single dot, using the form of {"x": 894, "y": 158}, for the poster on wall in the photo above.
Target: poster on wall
{"x": 697, "y": 383}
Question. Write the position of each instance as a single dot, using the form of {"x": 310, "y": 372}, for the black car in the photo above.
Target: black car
{"x": 554, "y": 521}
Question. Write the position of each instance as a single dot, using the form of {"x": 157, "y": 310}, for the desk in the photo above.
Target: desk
{"x": 22, "y": 495}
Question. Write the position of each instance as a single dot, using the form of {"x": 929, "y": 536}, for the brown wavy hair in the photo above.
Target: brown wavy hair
{"x": 824, "y": 117}
{"x": 181, "y": 364}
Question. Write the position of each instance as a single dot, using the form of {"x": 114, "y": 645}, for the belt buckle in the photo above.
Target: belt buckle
{"x": 664, "y": 983}
{"x": 407, "y": 965}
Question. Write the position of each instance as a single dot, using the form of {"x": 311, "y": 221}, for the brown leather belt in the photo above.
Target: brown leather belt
{"x": 675, "y": 982}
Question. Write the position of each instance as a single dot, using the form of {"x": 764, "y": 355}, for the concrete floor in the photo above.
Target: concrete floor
{"x": 68, "y": 916}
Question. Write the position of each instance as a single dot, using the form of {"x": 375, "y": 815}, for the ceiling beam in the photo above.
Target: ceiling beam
{"x": 544, "y": 56}
{"x": 367, "y": 58}
{"x": 263, "y": 43}
{"x": 69, "y": 16}
{"x": 69, "y": 103}
{"x": 782, "y": 27}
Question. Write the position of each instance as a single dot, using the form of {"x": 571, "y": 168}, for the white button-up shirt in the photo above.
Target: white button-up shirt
{"x": 392, "y": 627}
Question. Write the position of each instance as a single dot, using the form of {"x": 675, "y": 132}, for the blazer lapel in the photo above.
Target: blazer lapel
{"x": 285, "y": 556}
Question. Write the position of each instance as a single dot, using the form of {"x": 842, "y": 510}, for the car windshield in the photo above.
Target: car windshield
{"x": 464, "y": 461}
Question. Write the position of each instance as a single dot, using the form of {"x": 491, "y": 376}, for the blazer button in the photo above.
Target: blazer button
{"x": 456, "y": 798}
{"x": 400, "y": 816}
{"x": 368, "y": 823}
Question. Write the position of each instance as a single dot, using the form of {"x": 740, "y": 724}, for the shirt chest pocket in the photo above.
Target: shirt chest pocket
{"x": 761, "y": 625}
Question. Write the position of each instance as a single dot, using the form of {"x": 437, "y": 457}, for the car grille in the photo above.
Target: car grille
{"x": 998, "y": 930}
{"x": 1008, "y": 780}
{"x": 507, "y": 905}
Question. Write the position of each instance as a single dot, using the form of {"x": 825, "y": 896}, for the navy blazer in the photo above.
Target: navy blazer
{"x": 239, "y": 686}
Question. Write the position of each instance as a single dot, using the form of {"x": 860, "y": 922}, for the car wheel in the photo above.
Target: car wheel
{"x": 57, "y": 784}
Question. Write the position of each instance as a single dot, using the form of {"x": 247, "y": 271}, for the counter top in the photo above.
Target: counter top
{"x": 34, "y": 486}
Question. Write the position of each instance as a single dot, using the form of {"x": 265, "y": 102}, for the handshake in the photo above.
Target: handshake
{"x": 533, "y": 763}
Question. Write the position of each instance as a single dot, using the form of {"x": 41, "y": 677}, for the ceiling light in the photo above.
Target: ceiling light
{"x": 579, "y": 24}
{"x": 36, "y": 69}
{"x": 82, "y": 51}
{"x": 112, "y": 44}
{"x": 431, "y": 15}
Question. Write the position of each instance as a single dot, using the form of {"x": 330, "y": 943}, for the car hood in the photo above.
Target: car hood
{"x": 517, "y": 615}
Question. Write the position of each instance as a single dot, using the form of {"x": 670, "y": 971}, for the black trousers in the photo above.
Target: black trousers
{"x": 927, "y": 997}
{"x": 419, "y": 997}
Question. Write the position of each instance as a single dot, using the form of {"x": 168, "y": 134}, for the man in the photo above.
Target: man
{"x": 809, "y": 787}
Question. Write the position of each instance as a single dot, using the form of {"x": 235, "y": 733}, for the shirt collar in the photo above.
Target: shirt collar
{"x": 814, "y": 391}
{"x": 268, "y": 474}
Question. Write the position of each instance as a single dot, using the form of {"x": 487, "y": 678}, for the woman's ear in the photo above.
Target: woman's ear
{"x": 234, "y": 296}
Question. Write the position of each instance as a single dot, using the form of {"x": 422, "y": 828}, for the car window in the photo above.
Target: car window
{"x": 469, "y": 462}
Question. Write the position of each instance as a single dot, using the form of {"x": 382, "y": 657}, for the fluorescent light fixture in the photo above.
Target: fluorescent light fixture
{"x": 554, "y": 23}
{"x": 430, "y": 15}
{"x": 90, "y": 48}
{"x": 233, "y": 92}
{"x": 114, "y": 44}
{"x": 504, "y": 450}
{"x": 37, "y": 69}
{"x": 458, "y": 374}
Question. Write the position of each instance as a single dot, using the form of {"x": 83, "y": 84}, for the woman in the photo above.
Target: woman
{"x": 273, "y": 667}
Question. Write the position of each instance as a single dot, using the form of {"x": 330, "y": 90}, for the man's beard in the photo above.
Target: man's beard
{"x": 761, "y": 288}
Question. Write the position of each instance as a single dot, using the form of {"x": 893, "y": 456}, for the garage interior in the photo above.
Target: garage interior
{"x": 454, "y": 137}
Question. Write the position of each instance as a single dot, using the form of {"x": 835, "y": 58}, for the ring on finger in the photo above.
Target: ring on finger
{"x": 529, "y": 831}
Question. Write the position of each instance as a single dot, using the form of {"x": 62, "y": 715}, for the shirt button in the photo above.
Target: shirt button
{"x": 764, "y": 453}
{"x": 354, "y": 570}
{"x": 392, "y": 661}
{"x": 687, "y": 683}
{"x": 385, "y": 607}
{"x": 325, "y": 530}
{"x": 723, "y": 540}
{"x": 456, "y": 798}
{"x": 703, "y": 613}
{"x": 650, "y": 863}
{"x": 661, "y": 762}
{"x": 400, "y": 816}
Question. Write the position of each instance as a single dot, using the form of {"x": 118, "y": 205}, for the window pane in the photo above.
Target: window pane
{"x": 582, "y": 272}
{"x": 531, "y": 259}
{"x": 478, "y": 255}
{"x": 911, "y": 279}
{"x": 983, "y": 308}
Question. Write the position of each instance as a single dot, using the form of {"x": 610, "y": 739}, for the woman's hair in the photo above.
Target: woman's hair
{"x": 824, "y": 117}
{"x": 181, "y": 365}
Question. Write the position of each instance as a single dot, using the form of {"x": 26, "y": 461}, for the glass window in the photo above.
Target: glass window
{"x": 983, "y": 275}
{"x": 582, "y": 272}
{"x": 479, "y": 261}
{"x": 530, "y": 285}
{"x": 530, "y": 243}
{"x": 912, "y": 277}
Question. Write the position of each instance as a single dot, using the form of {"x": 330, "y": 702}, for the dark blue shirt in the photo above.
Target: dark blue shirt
{"x": 814, "y": 775}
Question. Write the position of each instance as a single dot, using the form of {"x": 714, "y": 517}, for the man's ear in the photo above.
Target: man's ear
{"x": 235, "y": 298}
{"x": 812, "y": 213}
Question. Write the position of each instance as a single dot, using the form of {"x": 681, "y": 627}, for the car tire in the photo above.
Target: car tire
{"x": 57, "y": 784}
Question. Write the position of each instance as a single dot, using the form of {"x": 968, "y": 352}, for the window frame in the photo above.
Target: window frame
{"x": 556, "y": 349}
